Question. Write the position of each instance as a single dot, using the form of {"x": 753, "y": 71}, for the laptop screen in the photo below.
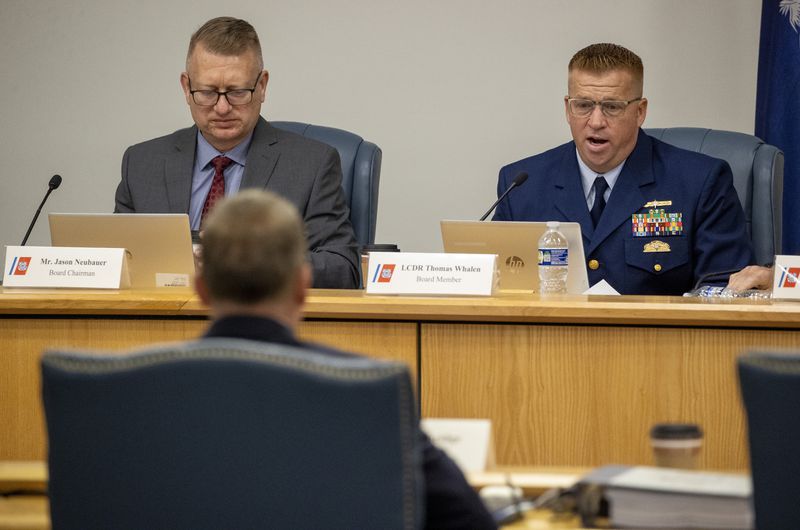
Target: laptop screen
{"x": 516, "y": 245}
{"x": 158, "y": 246}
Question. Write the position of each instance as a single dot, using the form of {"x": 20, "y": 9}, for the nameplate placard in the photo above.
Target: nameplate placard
{"x": 786, "y": 280}
{"x": 433, "y": 274}
{"x": 70, "y": 267}
{"x": 467, "y": 441}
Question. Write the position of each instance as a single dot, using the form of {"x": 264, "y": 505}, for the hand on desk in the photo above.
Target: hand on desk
{"x": 751, "y": 277}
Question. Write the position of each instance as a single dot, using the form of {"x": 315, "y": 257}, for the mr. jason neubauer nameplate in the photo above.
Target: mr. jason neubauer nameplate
{"x": 75, "y": 267}
{"x": 434, "y": 274}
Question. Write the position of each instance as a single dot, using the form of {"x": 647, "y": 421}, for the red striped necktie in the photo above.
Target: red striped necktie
{"x": 217, "y": 190}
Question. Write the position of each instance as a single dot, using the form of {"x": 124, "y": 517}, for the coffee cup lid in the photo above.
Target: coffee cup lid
{"x": 676, "y": 431}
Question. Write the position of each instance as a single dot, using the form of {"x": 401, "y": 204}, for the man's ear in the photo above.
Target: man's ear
{"x": 641, "y": 111}
{"x": 302, "y": 284}
{"x": 263, "y": 85}
{"x": 201, "y": 289}
{"x": 185, "y": 86}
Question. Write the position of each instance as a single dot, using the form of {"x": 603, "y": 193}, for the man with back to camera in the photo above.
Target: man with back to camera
{"x": 253, "y": 275}
{"x": 654, "y": 218}
{"x": 231, "y": 147}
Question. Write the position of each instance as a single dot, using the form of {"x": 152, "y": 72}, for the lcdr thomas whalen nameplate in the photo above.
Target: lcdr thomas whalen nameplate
{"x": 431, "y": 274}
{"x": 71, "y": 267}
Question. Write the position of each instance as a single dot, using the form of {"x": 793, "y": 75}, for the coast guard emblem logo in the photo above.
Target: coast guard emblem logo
{"x": 384, "y": 273}
{"x": 789, "y": 277}
{"x": 20, "y": 266}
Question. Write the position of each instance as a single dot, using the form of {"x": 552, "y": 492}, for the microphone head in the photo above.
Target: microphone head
{"x": 520, "y": 179}
{"x": 55, "y": 182}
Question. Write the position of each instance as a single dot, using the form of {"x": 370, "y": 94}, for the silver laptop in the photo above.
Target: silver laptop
{"x": 158, "y": 246}
{"x": 515, "y": 244}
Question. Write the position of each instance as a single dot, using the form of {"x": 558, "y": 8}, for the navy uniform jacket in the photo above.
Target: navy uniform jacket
{"x": 712, "y": 238}
{"x": 450, "y": 502}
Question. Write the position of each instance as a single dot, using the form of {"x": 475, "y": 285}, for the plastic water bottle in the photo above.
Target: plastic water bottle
{"x": 553, "y": 260}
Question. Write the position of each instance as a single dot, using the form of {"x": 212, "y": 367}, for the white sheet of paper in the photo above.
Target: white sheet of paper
{"x": 601, "y": 287}
{"x": 467, "y": 441}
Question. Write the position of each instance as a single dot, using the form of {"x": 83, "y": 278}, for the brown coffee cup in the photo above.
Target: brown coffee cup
{"x": 676, "y": 445}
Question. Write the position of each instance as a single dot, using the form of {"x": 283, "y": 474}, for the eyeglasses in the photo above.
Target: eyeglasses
{"x": 581, "y": 108}
{"x": 237, "y": 96}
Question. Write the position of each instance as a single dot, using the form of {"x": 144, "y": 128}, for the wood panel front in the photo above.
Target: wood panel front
{"x": 391, "y": 341}
{"x": 588, "y": 395}
{"x": 22, "y": 434}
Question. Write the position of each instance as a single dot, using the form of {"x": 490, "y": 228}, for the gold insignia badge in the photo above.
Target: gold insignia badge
{"x": 657, "y": 246}
{"x": 656, "y": 204}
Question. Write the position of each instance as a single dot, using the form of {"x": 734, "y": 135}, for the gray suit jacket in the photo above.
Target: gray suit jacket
{"x": 157, "y": 178}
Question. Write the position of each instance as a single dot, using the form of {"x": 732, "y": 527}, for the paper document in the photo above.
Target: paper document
{"x": 601, "y": 287}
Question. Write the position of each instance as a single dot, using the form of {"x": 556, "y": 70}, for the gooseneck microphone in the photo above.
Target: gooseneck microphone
{"x": 518, "y": 181}
{"x": 54, "y": 183}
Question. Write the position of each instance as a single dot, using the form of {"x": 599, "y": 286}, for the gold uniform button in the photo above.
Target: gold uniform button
{"x": 657, "y": 267}
{"x": 594, "y": 264}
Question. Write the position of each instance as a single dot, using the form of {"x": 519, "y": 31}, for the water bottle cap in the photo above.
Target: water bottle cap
{"x": 553, "y": 224}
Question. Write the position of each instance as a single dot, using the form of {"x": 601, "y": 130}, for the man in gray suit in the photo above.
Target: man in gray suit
{"x": 232, "y": 147}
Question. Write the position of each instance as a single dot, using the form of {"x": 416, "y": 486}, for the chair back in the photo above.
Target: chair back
{"x": 226, "y": 433}
{"x": 770, "y": 386}
{"x": 757, "y": 176}
{"x": 361, "y": 173}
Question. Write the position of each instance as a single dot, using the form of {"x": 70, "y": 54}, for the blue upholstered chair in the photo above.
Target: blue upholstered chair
{"x": 770, "y": 385}
{"x": 361, "y": 173}
{"x": 226, "y": 433}
{"x": 757, "y": 176}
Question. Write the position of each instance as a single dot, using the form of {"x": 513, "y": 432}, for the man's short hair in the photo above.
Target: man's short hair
{"x": 253, "y": 248}
{"x": 226, "y": 36}
{"x": 605, "y": 57}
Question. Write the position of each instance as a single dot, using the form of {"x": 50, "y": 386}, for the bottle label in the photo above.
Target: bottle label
{"x": 553, "y": 256}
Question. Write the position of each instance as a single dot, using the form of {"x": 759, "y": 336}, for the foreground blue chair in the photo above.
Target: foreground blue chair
{"x": 225, "y": 433}
{"x": 770, "y": 385}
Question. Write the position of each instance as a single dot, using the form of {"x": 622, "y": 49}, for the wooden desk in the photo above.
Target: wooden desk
{"x": 32, "y": 511}
{"x": 567, "y": 380}
{"x": 28, "y": 509}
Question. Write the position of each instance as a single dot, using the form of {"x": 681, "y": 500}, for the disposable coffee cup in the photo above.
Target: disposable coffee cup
{"x": 676, "y": 445}
{"x": 365, "y": 250}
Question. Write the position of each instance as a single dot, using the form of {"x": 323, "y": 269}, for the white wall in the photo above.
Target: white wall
{"x": 449, "y": 89}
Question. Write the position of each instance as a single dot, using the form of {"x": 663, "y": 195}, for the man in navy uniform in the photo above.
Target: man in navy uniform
{"x": 655, "y": 218}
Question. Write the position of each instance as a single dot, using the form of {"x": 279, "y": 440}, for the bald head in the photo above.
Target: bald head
{"x": 253, "y": 249}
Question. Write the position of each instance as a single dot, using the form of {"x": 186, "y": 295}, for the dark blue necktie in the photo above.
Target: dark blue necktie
{"x": 600, "y": 187}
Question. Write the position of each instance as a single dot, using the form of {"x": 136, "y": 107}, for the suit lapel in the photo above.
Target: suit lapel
{"x": 627, "y": 197}
{"x": 178, "y": 169}
{"x": 569, "y": 197}
{"x": 261, "y": 157}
